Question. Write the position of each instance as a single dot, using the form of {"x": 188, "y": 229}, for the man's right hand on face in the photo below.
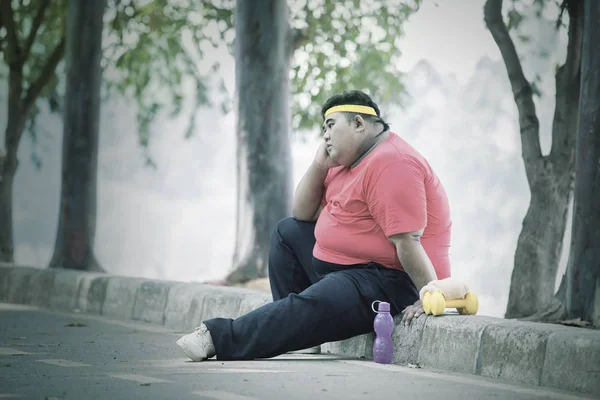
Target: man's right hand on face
{"x": 322, "y": 158}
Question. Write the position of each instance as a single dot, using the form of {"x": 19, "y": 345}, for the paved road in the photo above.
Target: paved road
{"x": 70, "y": 356}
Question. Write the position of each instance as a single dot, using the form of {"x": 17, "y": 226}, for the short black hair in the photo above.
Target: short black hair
{"x": 355, "y": 97}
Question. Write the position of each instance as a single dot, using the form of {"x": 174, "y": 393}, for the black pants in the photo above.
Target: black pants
{"x": 313, "y": 302}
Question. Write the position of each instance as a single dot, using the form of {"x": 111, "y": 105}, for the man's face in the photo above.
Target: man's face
{"x": 341, "y": 137}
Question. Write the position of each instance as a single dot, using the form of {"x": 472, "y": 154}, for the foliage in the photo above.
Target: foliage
{"x": 336, "y": 46}
{"x": 39, "y": 37}
{"x": 517, "y": 13}
{"x": 342, "y": 45}
{"x": 517, "y": 7}
{"x": 346, "y": 45}
{"x": 150, "y": 48}
{"x": 154, "y": 47}
{"x": 36, "y": 41}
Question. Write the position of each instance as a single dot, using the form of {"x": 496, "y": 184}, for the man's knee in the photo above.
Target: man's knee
{"x": 285, "y": 228}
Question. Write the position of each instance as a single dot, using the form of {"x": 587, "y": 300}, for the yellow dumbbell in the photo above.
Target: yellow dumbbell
{"x": 435, "y": 303}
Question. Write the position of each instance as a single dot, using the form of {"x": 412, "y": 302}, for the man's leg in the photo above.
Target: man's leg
{"x": 290, "y": 271}
{"x": 335, "y": 308}
{"x": 290, "y": 257}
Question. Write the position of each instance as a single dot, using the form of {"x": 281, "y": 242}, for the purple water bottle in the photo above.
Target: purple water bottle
{"x": 383, "y": 347}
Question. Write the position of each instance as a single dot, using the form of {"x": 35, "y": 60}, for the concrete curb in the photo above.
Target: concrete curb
{"x": 535, "y": 354}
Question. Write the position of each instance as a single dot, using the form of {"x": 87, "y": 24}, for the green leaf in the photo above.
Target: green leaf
{"x": 536, "y": 89}
{"x": 514, "y": 19}
{"x": 524, "y": 38}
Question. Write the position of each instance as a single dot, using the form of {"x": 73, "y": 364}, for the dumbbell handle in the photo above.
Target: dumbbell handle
{"x": 454, "y": 303}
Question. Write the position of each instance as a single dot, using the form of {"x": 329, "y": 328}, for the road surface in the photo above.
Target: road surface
{"x": 50, "y": 355}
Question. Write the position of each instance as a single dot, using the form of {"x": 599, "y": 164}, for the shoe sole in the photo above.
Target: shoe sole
{"x": 181, "y": 343}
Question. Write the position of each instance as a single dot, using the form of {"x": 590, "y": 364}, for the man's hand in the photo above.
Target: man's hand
{"x": 411, "y": 312}
{"x": 322, "y": 158}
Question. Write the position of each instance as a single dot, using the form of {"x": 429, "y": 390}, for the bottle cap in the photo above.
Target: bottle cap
{"x": 383, "y": 306}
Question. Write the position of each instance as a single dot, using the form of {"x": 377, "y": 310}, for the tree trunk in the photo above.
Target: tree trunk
{"x": 264, "y": 188}
{"x": 539, "y": 246}
{"x": 584, "y": 259}
{"x": 77, "y": 215}
{"x": 8, "y": 166}
{"x": 14, "y": 129}
{"x": 550, "y": 177}
{"x": 6, "y": 220}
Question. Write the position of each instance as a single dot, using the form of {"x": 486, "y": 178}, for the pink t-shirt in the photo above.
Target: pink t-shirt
{"x": 392, "y": 190}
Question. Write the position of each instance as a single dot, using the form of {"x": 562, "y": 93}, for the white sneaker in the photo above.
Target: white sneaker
{"x": 198, "y": 345}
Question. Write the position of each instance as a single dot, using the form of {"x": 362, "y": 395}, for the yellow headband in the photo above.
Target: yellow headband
{"x": 352, "y": 108}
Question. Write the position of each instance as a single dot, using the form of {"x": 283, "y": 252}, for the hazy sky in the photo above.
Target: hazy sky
{"x": 451, "y": 34}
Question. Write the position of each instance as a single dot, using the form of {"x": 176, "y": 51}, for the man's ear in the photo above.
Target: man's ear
{"x": 360, "y": 123}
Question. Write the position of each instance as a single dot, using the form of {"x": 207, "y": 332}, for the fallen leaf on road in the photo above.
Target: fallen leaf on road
{"x": 76, "y": 325}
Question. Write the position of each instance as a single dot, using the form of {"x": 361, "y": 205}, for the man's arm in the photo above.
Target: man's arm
{"x": 398, "y": 203}
{"x": 413, "y": 257}
{"x": 417, "y": 265}
{"x": 307, "y": 199}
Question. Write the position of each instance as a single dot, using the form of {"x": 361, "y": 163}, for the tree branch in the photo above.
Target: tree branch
{"x": 568, "y": 87}
{"x": 523, "y": 94}
{"x": 12, "y": 45}
{"x": 1, "y": 26}
{"x": 37, "y": 21}
{"x": 38, "y": 85}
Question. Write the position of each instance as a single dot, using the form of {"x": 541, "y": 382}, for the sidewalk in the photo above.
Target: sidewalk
{"x": 536, "y": 354}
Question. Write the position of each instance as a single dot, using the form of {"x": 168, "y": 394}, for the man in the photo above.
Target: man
{"x": 370, "y": 222}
